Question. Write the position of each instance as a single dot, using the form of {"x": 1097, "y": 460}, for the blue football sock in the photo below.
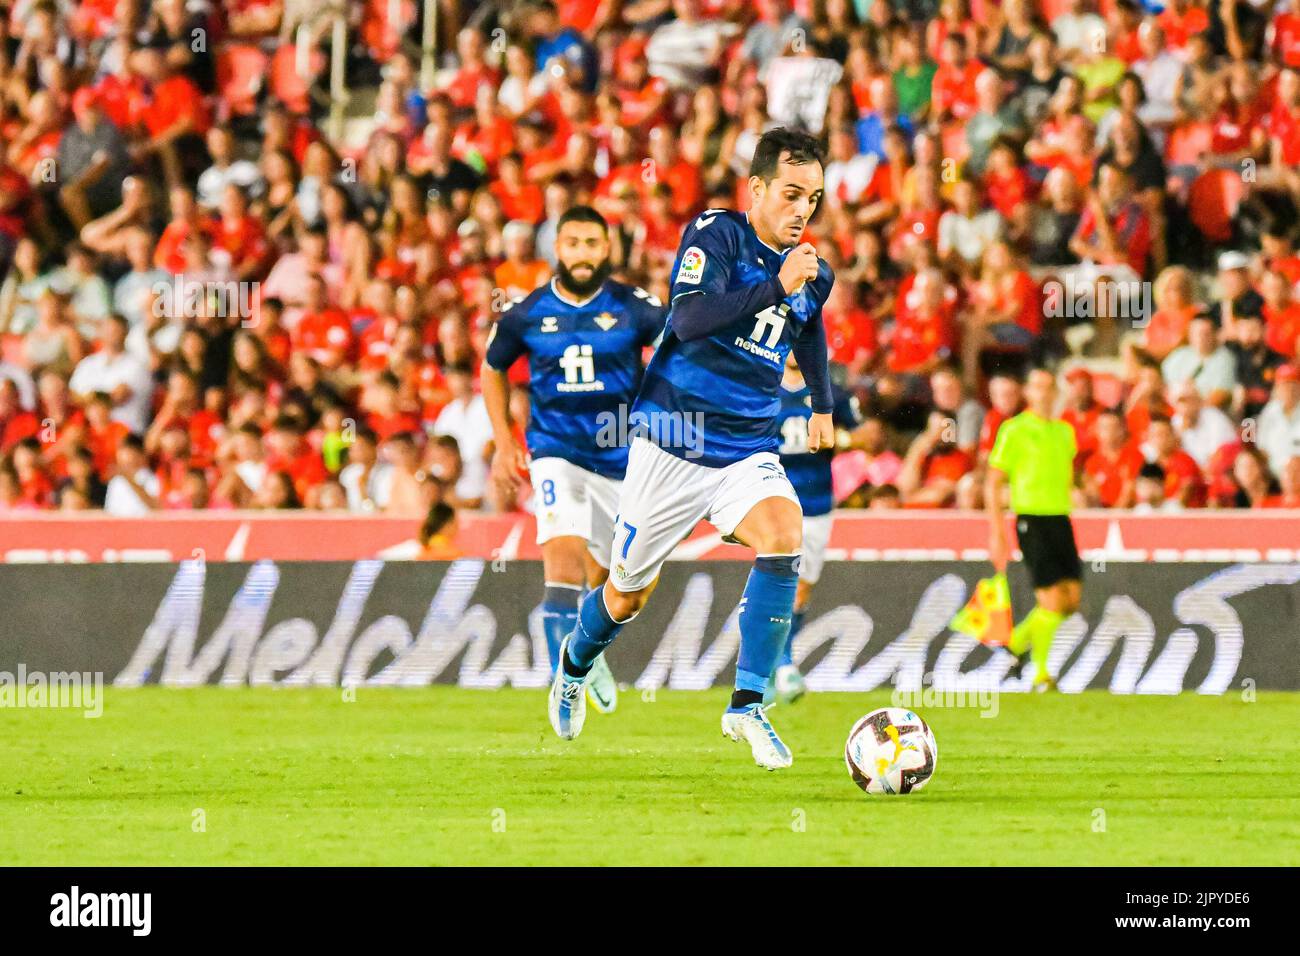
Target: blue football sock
{"x": 787, "y": 653}
{"x": 559, "y": 616}
{"x": 596, "y": 630}
{"x": 765, "y": 618}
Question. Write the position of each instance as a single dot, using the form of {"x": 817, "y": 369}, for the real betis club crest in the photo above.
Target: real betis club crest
{"x": 606, "y": 321}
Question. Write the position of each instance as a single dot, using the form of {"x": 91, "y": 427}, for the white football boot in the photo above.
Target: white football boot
{"x": 567, "y": 704}
{"x": 602, "y": 689}
{"x": 751, "y": 725}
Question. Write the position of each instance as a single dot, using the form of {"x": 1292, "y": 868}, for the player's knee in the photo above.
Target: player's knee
{"x": 623, "y": 605}
{"x": 1063, "y": 598}
{"x": 781, "y": 540}
{"x": 562, "y": 560}
{"x": 1070, "y": 598}
{"x": 780, "y": 534}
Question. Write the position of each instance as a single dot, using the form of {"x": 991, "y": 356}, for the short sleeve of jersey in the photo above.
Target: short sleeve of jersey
{"x": 505, "y": 341}
{"x": 1003, "y": 455}
{"x": 707, "y": 253}
{"x": 845, "y": 414}
{"x": 650, "y": 314}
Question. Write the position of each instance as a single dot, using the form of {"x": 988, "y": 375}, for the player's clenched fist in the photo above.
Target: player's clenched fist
{"x": 800, "y": 266}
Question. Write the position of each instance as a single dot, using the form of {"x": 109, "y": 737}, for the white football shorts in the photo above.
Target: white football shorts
{"x": 664, "y": 497}
{"x": 570, "y": 500}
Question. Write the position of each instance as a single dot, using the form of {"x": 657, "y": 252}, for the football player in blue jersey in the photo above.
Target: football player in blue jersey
{"x": 745, "y": 293}
{"x": 810, "y": 474}
{"x": 583, "y": 334}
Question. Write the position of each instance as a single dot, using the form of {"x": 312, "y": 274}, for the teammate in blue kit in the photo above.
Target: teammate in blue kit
{"x": 583, "y": 334}
{"x": 745, "y": 293}
{"x": 810, "y": 474}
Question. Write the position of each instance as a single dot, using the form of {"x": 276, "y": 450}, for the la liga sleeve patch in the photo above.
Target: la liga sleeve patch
{"x": 691, "y": 270}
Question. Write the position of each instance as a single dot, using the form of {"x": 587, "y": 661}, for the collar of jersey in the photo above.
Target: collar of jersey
{"x": 779, "y": 252}
{"x": 555, "y": 291}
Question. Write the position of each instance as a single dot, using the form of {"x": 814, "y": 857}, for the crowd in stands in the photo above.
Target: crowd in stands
{"x": 210, "y": 302}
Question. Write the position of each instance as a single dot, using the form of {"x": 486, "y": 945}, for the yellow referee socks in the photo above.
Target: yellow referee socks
{"x": 1036, "y": 633}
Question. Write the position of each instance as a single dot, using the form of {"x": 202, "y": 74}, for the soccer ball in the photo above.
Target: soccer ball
{"x": 891, "y": 750}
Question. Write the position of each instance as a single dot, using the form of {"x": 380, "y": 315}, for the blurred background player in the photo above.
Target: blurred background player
{"x": 745, "y": 293}
{"x": 583, "y": 334}
{"x": 1034, "y": 453}
{"x": 810, "y": 474}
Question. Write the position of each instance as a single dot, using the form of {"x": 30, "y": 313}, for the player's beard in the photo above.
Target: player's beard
{"x": 583, "y": 289}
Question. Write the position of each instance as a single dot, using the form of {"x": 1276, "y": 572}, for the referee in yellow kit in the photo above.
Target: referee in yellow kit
{"x": 1035, "y": 452}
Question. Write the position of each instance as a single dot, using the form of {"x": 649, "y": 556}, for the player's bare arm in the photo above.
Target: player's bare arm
{"x": 509, "y": 458}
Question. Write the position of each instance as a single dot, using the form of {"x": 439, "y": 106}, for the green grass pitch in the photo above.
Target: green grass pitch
{"x": 442, "y": 776}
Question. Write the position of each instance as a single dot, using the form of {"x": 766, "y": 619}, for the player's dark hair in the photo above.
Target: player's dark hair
{"x": 780, "y": 144}
{"x": 582, "y": 214}
{"x": 1152, "y": 471}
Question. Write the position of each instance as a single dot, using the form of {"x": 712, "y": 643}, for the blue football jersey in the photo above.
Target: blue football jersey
{"x": 584, "y": 363}
{"x": 721, "y": 392}
{"x": 810, "y": 472}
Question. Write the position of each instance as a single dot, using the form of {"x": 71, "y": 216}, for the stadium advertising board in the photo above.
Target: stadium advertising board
{"x": 1144, "y": 628}
{"x": 920, "y": 535}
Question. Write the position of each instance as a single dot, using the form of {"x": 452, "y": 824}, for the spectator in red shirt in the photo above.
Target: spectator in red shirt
{"x": 473, "y": 74}
{"x": 187, "y": 218}
{"x": 1110, "y": 470}
{"x": 323, "y": 332}
{"x": 289, "y": 453}
{"x": 1184, "y": 482}
{"x": 1281, "y": 315}
{"x": 239, "y": 234}
{"x": 641, "y": 97}
{"x": 519, "y": 198}
{"x": 16, "y": 424}
{"x": 850, "y": 332}
{"x": 952, "y": 92}
{"x": 1081, "y": 411}
{"x": 1284, "y": 134}
{"x": 933, "y": 465}
{"x": 1114, "y": 231}
{"x": 175, "y": 118}
{"x": 1286, "y": 35}
{"x": 387, "y": 416}
{"x": 681, "y": 177}
{"x": 1180, "y": 19}
{"x": 924, "y": 332}
{"x": 1006, "y": 309}
{"x": 36, "y": 484}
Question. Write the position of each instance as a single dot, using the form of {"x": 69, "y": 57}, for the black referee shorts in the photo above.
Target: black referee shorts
{"x": 1047, "y": 543}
